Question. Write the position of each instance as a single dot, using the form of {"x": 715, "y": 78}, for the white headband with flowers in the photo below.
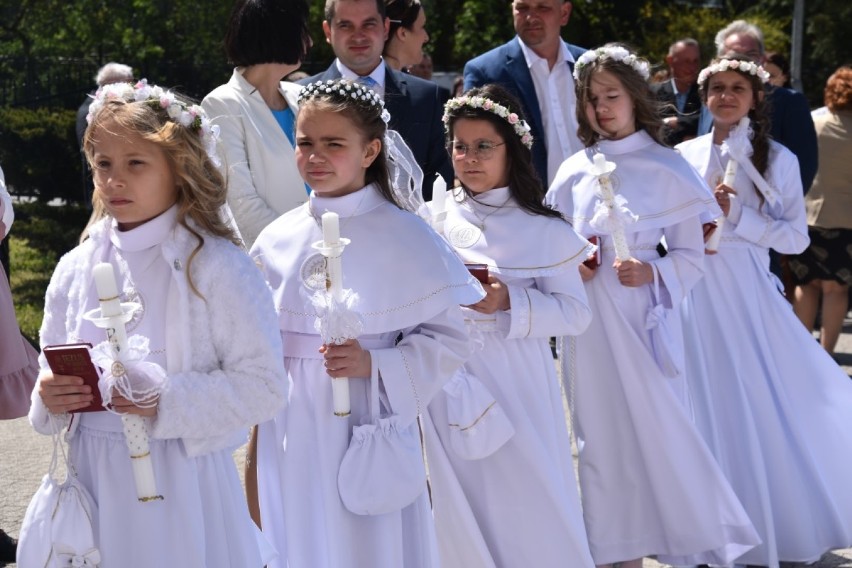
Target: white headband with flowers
{"x": 616, "y": 53}
{"x": 346, "y": 89}
{"x": 189, "y": 116}
{"x": 746, "y": 67}
{"x": 522, "y": 129}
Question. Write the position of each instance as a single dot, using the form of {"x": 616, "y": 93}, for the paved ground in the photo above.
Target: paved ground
{"x": 25, "y": 456}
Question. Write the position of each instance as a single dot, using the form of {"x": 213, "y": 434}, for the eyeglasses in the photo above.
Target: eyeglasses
{"x": 483, "y": 151}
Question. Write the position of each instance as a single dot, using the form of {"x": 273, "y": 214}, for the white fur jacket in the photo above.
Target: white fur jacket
{"x": 224, "y": 362}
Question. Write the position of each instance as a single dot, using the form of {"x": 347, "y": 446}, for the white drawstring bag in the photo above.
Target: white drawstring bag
{"x": 382, "y": 470}
{"x": 477, "y": 425}
{"x": 59, "y": 525}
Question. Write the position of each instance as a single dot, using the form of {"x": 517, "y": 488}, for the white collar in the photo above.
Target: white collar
{"x": 377, "y": 75}
{"x": 532, "y": 57}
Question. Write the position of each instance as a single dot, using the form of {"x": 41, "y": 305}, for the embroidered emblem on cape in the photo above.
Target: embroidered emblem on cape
{"x": 464, "y": 235}
{"x": 313, "y": 272}
{"x": 133, "y": 295}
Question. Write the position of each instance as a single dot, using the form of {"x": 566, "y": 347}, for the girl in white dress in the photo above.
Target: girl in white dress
{"x": 413, "y": 338}
{"x": 649, "y": 484}
{"x": 772, "y": 405}
{"x": 522, "y": 498}
{"x": 208, "y": 316}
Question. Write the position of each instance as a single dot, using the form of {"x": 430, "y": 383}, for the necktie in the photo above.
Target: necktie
{"x": 367, "y": 81}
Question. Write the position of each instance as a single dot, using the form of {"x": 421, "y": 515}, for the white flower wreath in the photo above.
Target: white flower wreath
{"x": 745, "y": 67}
{"x": 616, "y": 53}
{"x": 522, "y": 129}
{"x": 180, "y": 112}
{"x": 349, "y": 89}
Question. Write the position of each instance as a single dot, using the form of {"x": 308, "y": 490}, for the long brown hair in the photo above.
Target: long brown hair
{"x": 524, "y": 184}
{"x": 646, "y": 112}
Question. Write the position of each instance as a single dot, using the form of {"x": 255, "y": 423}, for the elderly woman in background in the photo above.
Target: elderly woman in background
{"x": 825, "y": 268}
{"x": 407, "y": 33}
{"x": 255, "y": 110}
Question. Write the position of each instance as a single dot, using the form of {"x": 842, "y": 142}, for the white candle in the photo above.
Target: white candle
{"x": 439, "y": 204}
{"x": 135, "y": 429}
{"x": 330, "y": 228}
{"x": 334, "y": 268}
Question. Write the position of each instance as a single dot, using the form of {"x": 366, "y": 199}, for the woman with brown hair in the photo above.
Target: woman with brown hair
{"x": 825, "y": 268}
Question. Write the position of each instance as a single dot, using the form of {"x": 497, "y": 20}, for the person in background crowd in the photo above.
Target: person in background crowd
{"x": 679, "y": 94}
{"x": 536, "y": 67}
{"x": 406, "y": 34}
{"x": 108, "y": 74}
{"x": 256, "y": 111}
{"x": 357, "y": 31}
{"x": 778, "y": 68}
{"x": 423, "y": 68}
{"x": 825, "y": 268}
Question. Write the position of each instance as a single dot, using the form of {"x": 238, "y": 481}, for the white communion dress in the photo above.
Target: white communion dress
{"x": 519, "y": 505}
{"x": 649, "y": 484}
{"x": 410, "y": 285}
{"x": 772, "y": 405}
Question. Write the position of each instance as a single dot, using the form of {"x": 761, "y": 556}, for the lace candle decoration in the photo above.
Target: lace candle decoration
{"x": 614, "y": 214}
{"x": 113, "y": 316}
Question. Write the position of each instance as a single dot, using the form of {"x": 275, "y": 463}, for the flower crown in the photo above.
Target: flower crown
{"x": 346, "y": 89}
{"x": 188, "y": 115}
{"x": 522, "y": 129}
{"x": 616, "y": 53}
{"x": 745, "y": 67}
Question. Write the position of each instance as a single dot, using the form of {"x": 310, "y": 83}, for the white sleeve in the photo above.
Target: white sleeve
{"x": 783, "y": 227}
{"x": 415, "y": 369}
{"x": 553, "y": 306}
{"x": 7, "y": 214}
{"x": 683, "y": 265}
{"x": 250, "y": 210}
{"x": 249, "y": 385}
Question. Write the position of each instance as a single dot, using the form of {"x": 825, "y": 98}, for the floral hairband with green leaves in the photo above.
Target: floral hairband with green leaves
{"x": 188, "y": 115}
{"x": 745, "y": 67}
{"x": 522, "y": 129}
{"x": 346, "y": 89}
{"x": 615, "y": 53}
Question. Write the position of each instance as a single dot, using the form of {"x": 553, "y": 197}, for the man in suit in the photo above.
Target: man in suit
{"x": 792, "y": 124}
{"x": 357, "y": 30}
{"x": 679, "y": 95}
{"x": 537, "y": 66}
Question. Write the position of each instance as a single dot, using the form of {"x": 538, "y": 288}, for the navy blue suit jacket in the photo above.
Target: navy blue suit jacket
{"x": 416, "y": 107}
{"x": 687, "y": 121}
{"x": 506, "y": 66}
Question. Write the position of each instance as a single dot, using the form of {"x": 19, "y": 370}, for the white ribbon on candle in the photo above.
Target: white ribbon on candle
{"x": 112, "y": 317}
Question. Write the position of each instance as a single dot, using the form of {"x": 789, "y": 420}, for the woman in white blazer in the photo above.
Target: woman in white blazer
{"x": 255, "y": 111}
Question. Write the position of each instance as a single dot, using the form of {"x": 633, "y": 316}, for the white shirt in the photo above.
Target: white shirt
{"x": 377, "y": 75}
{"x": 554, "y": 89}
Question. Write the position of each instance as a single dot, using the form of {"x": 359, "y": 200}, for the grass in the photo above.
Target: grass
{"x": 40, "y": 235}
